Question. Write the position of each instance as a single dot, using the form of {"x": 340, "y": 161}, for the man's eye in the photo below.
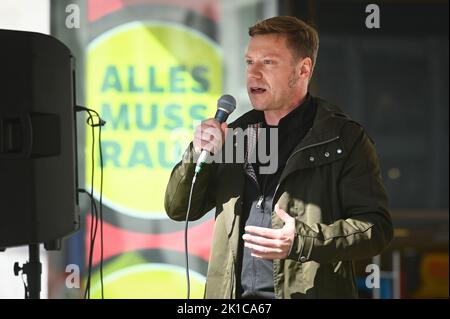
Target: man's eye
{"x": 248, "y": 62}
{"x": 268, "y": 62}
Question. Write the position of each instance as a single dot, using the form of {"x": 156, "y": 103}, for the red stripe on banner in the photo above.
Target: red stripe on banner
{"x": 118, "y": 241}
{"x": 100, "y": 8}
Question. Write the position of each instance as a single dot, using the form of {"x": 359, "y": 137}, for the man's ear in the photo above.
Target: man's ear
{"x": 305, "y": 68}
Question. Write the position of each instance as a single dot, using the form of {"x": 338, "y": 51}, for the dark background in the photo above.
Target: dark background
{"x": 394, "y": 81}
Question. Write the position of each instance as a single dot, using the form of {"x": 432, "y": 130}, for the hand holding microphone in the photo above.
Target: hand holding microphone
{"x": 210, "y": 134}
{"x": 208, "y": 137}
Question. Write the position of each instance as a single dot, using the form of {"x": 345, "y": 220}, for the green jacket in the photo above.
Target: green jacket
{"x": 331, "y": 185}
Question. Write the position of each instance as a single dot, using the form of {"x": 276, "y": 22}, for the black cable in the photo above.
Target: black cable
{"x": 94, "y": 222}
{"x": 94, "y": 225}
{"x": 94, "y": 212}
{"x": 186, "y": 251}
{"x": 99, "y": 124}
{"x": 101, "y": 207}
{"x": 91, "y": 235}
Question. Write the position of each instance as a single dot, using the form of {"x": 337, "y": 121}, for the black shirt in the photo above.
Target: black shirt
{"x": 257, "y": 274}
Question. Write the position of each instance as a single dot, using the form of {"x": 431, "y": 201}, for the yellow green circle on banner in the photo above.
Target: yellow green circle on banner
{"x": 152, "y": 82}
{"x": 149, "y": 281}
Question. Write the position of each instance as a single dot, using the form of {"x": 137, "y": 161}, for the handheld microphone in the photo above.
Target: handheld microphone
{"x": 225, "y": 106}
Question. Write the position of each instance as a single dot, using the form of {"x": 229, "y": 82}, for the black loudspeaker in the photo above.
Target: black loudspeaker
{"x": 38, "y": 166}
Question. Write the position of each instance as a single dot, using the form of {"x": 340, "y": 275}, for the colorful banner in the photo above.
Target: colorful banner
{"x": 153, "y": 70}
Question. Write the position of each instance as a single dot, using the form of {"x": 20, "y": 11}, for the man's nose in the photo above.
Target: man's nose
{"x": 254, "y": 72}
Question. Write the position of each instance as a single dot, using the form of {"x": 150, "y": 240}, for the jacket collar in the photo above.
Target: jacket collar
{"x": 327, "y": 123}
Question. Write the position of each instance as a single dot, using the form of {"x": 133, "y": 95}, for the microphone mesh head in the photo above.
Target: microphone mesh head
{"x": 227, "y": 102}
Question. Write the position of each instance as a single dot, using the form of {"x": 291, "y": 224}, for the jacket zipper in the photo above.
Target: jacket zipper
{"x": 260, "y": 200}
{"x": 297, "y": 151}
{"x": 258, "y": 206}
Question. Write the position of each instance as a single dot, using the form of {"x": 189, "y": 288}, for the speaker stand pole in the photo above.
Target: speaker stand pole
{"x": 33, "y": 270}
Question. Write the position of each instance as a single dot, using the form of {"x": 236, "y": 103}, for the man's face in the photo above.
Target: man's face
{"x": 272, "y": 77}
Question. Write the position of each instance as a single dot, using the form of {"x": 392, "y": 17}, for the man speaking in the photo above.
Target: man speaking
{"x": 294, "y": 232}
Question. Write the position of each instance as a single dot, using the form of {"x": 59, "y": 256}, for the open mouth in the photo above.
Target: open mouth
{"x": 257, "y": 90}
